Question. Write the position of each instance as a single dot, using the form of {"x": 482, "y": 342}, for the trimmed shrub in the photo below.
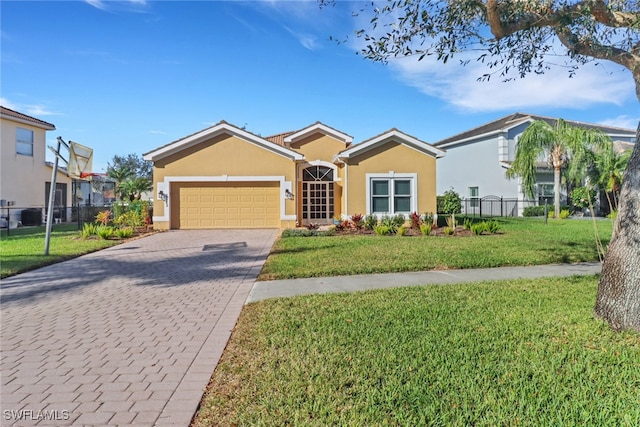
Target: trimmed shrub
{"x": 124, "y": 232}
{"x": 304, "y": 232}
{"x": 582, "y": 196}
{"x": 492, "y": 226}
{"x": 534, "y": 211}
{"x": 449, "y": 203}
{"x": 398, "y": 221}
{"x": 89, "y": 230}
{"x": 382, "y": 230}
{"x": 370, "y": 221}
{"x": 425, "y": 228}
{"x": 105, "y": 232}
{"x": 428, "y": 218}
{"x": 478, "y": 229}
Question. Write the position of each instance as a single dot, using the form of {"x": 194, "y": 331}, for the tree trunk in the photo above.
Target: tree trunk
{"x": 556, "y": 192}
{"x": 618, "y": 299}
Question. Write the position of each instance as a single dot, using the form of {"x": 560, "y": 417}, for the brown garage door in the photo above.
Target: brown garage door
{"x": 226, "y": 205}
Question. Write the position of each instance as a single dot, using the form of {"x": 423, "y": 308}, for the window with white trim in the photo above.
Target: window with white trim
{"x": 474, "y": 192}
{"x": 392, "y": 195}
{"x": 24, "y": 142}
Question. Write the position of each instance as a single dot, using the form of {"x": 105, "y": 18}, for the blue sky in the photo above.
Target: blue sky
{"x": 129, "y": 76}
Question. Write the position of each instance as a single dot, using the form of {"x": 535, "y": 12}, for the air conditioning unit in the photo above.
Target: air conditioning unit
{"x": 11, "y": 203}
{"x": 3, "y": 202}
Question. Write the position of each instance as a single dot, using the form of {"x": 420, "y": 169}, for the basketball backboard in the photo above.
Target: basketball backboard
{"x": 80, "y": 160}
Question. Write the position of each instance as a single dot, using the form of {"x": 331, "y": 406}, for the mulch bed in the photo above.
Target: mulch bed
{"x": 460, "y": 232}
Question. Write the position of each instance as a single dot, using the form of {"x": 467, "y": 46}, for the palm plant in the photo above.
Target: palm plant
{"x": 121, "y": 174}
{"x": 133, "y": 188}
{"x": 608, "y": 170}
{"x": 565, "y": 146}
{"x": 140, "y": 185}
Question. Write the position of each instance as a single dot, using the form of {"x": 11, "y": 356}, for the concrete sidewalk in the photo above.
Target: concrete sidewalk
{"x": 317, "y": 285}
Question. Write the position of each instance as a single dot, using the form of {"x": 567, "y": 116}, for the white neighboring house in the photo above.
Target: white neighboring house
{"x": 477, "y": 160}
{"x": 25, "y": 175}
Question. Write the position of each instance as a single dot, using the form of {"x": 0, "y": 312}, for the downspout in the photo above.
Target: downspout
{"x": 346, "y": 188}
{"x": 345, "y": 183}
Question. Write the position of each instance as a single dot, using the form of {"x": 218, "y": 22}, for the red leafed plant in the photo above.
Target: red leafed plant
{"x": 357, "y": 220}
{"x": 415, "y": 220}
{"x": 103, "y": 217}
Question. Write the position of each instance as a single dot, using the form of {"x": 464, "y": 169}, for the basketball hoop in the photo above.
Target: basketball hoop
{"x": 89, "y": 175}
{"x": 80, "y": 161}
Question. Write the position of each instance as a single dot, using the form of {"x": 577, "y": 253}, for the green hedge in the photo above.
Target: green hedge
{"x": 539, "y": 210}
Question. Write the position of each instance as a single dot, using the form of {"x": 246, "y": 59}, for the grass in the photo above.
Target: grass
{"x": 23, "y": 249}
{"x": 526, "y": 352}
{"x": 523, "y": 241}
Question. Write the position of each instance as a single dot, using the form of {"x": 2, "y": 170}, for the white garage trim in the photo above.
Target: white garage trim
{"x": 168, "y": 180}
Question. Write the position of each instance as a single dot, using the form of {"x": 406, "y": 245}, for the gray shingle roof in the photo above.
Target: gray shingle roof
{"x": 516, "y": 118}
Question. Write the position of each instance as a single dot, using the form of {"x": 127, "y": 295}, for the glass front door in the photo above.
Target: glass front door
{"x": 317, "y": 195}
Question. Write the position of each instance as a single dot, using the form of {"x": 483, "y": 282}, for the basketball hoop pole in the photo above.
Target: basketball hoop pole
{"x": 52, "y": 194}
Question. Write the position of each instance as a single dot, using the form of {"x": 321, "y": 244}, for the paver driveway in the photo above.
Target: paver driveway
{"x": 126, "y": 336}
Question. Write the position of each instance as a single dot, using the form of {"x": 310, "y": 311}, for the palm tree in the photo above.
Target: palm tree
{"x": 140, "y": 185}
{"x": 608, "y": 170}
{"x": 121, "y": 174}
{"x": 566, "y": 146}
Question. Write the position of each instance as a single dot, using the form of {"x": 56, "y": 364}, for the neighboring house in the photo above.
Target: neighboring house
{"x": 226, "y": 177}
{"x": 477, "y": 160}
{"x": 25, "y": 175}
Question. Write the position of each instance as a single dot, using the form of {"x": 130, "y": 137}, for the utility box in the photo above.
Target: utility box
{"x": 31, "y": 217}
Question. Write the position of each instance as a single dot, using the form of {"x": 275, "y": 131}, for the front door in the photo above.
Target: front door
{"x": 317, "y": 195}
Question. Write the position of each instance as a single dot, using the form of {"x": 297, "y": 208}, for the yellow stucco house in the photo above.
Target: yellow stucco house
{"x": 25, "y": 175}
{"x": 226, "y": 177}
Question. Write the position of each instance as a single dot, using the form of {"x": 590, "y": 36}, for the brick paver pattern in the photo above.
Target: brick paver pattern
{"x": 129, "y": 335}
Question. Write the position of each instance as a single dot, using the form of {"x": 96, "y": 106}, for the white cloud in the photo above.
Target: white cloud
{"x": 157, "y": 132}
{"x": 98, "y": 4}
{"x": 40, "y": 110}
{"x": 458, "y": 85}
{"x": 32, "y": 110}
{"x": 8, "y": 104}
{"x": 109, "y": 5}
{"x": 308, "y": 41}
{"x": 624, "y": 121}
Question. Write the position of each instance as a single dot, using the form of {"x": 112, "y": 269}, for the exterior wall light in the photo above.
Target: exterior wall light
{"x": 163, "y": 196}
{"x": 288, "y": 194}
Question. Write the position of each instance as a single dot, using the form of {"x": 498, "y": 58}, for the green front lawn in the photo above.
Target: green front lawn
{"x": 525, "y": 353}
{"x": 524, "y": 241}
{"x": 23, "y": 249}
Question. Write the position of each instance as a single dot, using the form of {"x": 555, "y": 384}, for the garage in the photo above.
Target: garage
{"x": 198, "y": 205}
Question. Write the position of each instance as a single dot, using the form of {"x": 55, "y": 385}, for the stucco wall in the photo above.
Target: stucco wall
{"x": 24, "y": 178}
{"x": 475, "y": 165}
{"x": 220, "y": 156}
{"x": 318, "y": 147}
{"x": 399, "y": 159}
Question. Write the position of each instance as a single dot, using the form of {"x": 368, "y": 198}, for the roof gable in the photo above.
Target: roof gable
{"x": 318, "y": 127}
{"x": 392, "y": 135}
{"x": 9, "y": 114}
{"x": 213, "y": 131}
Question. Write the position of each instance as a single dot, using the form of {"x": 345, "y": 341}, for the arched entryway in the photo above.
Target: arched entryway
{"x": 317, "y": 195}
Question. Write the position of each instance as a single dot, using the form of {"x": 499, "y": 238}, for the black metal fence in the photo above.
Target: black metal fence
{"x": 12, "y": 217}
{"x": 490, "y": 206}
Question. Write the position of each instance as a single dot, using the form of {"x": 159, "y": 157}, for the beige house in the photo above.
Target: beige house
{"x": 25, "y": 175}
{"x": 226, "y": 177}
